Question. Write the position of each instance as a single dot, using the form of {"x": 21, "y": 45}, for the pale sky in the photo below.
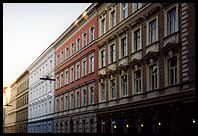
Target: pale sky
{"x": 29, "y": 28}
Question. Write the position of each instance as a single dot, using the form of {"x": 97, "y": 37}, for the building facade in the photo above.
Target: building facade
{"x": 10, "y": 118}
{"x": 146, "y": 68}
{"x": 41, "y": 93}
{"x": 4, "y": 108}
{"x": 76, "y": 76}
{"x": 22, "y": 87}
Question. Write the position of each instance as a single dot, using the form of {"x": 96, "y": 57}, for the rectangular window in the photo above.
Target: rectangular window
{"x": 57, "y": 82}
{"x": 153, "y": 77}
{"x": 84, "y": 39}
{"x": 66, "y": 77}
{"x": 57, "y": 59}
{"x": 112, "y": 53}
{"x": 72, "y": 101}
{"x": 71, "y": 74}
{"x": 77, "y": 99}
{"x": 66, "y": 102}
{"x": 84, "y": 97}
{"x": 173, "y": 71}
{"x": 67, "y": 53}
{"x": 102, "y": 92}
{"x": 124, "y": 11}
{"x": 61, "y": 104}
{"x": 72, "y": 49}
{"x": 62, "y": 81}
{"x": 91, "y": 63}
{"x": 77, "y": 71}
{"x": 123, "y": 47}
{"x": 152, "y": 31}
{"x": 84, "y": 67}
{"x": 56, "y": 104}
{"x": 103, "y": 24}
{"x": 138, "y": 81}
{"x": 137, "y": 6}
{"x": 78, "y": 44}
{"x": 137, "y": 44}
{"x": 113, "y": 88}
{"x": 102, "y": 58}
{"x": 92, "y": 34}
{"x": 112, "y": 17}
{"x": 91, "y": 95}
{"x": 124, "y": 85}
{"x": 171, "y": 21}
{"x": 62, "y": 56}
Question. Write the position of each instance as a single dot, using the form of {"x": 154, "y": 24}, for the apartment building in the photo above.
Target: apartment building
{"x": 146, "y": 68}
{"x": 76, "y": 92}
{"x": 22, "y": 87}
{"x": 10, "y": 118}
{"x": 4, "y": 108}
{"x": 41, "y": 93}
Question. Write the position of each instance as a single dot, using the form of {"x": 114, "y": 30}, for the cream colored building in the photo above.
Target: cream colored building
{"x": 10, "y": 112}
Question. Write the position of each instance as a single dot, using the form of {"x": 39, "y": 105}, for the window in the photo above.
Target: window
{"x": 124, "y": 10}
{"x": 62, "y": 80}
{"x": 153, "y": 77}
{"x": 171, "y": 21}
{"x": 56, "y": 104}
{"x": 173, "y": 70}
{"x": 113, "y": 88}
{"x": 112, "y": 53}
{"x": 124, "y": 85}
{"x": 152, "y": 31}
{"x": 137, "y": 42}
{"x": 57, "y": 59}
{"x": 102, "y": 58}
{"x": 66, "y": 102}
{"x": 102, "y": 91}
{"x": 77, "y": 70}
{"x": 91, "y": 95}
{"x": 57, "y": 81}
{"x": 77, "y": 99}
{"x": 84, "y": 39}
{"x": 66, "y": 77}
{"x": 84, "y": 67}
{"x": 91, "y": 63}
{"x": 62, "y": 56}
{"x": 72, "y": 101}
{"x": 51, "y": 66}
{"x": 72, "y": 74}
{"x": 67, "y": 53}
{"x": 78, "y": 44}
{"x": 123, "y": 47}
{"x": 112, "y": 19}
{"x": 91, "y": 34}
{"x": 72, "y": 49}
{"x": 138, "y": 81}
{"x": 61, "y": 104}
{"x": 103, "y": 26}
{"x": 137, "y": 6}
{"x": 84, "y": 97}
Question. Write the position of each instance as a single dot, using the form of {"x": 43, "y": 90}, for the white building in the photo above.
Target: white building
{"x": 41, "y": 93}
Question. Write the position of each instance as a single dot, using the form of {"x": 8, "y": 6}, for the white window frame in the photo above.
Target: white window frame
{"x": 61, "y": 79}
{"x": 91, "y": 94}
{"x": 84, "y": 39}
{"x": 120, "y": 45}
{"x": 111, "y": 90}
{"x": 57, "y": 59}
{"x": 77, "y": 70}
{"x": 72, "y": 100}
{"x": 148, "y": 31}
{"x": 56, "y": 104}
{"x": 66, "y": 77}
{"x": 155, "y": 77}
{"x": 57, "y": 81}
{"x": 139, "y": 79}
{"x": 77, "y": 99}
{"x": 77, "y": 44}
{"x": 165, "y": 20}
{"x": 84, "y": 97}
{"x": 72, "y": 48}
{"x": 62, "y": 56}
{"x": 121, "y": 11}
{"x": 126, "y": 86}
{"x": 84, "y": 67}
{"x": 101, "y": 18}
{"x": 67, "y": 52}
{"x": 91, "y": 35}
{"x": 91, "y": 63}
{"x": 134, "y": 5}
{"x": 72, "y": 74}
{"x": 102, "y": 90}
{"x": 113, "y": 8}
{"x": 66, "y": 101}
{"x": 175, "y": 78}
{"x": 114, "y": 53}
{"x": 103, "y": 58}
{"x": 133, "y": 45}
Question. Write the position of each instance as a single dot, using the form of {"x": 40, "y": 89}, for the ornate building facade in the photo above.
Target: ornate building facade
{"x": 41, "y": 93}
{"x": 22, "y": 87}
{"x": 146, "y": 68}
{"x": 76, "y": 76}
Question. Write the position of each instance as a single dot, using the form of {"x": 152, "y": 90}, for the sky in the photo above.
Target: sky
{"x": 29, "y": 28}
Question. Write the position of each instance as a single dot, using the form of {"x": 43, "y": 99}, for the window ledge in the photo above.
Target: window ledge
{"x": 137, "y": 51}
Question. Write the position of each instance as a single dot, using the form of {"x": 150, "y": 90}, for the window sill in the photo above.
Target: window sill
{"x": 137, "y": 51}
{"x": 152, "y": 43}
{"x": 167, "y": 36}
